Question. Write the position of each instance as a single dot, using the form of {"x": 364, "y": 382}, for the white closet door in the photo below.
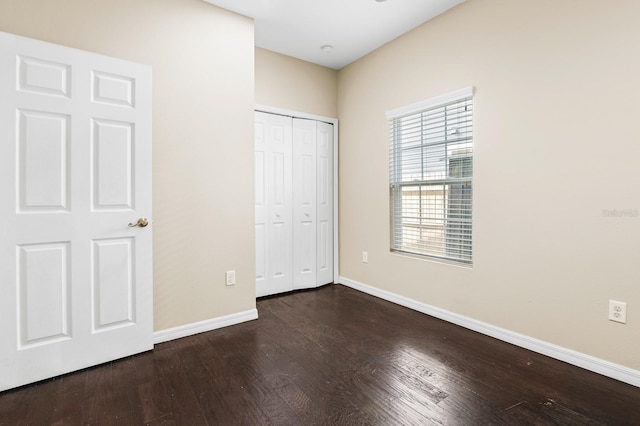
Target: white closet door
{"x": 324, "y": 209}
{"x": 304, "y": 203}
{"x": 294, "y": 203}
{"x": 75, "y": 169}
{"x": 273, "y": 204}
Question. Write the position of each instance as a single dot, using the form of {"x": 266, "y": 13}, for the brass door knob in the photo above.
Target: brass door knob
{"x": 142, "y": 222}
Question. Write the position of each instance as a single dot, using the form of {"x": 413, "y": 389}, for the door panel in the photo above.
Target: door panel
{"x": 325, "y": 250}
{"x": 75, "y": 170}
{"x": 325, "y": 204}
{"x": 112, "y": 151}
{"x": 261, "y": 202}
{"x": 43, "y": 161}
{"x": 273, "y": 204}
{"x": 44, "y": 287}
{"x": 304, "y": 203}
{"x": 279, "y": 183}
{"x": 113, "y": 283}
{"x": 111, "y": 89}
{"x": 44, "y": 77}
{"x": 307, "y": 255}
{"x": 261, "y": 254}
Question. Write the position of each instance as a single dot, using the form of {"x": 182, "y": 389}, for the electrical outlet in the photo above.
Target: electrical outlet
{"x": 618, "y": 311}
{"x": 365, "y": 257}
{"x": 230, "y": 277}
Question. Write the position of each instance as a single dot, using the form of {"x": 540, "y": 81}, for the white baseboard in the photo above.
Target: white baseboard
{"x": 202, "y": 326}
{"x": 588, "y": 362}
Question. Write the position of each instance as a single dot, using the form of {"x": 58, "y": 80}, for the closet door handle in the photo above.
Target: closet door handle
{"x": 307, "y": 214}
{"x": 278, "y": 215}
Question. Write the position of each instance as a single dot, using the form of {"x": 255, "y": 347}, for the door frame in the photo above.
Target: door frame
{"x": 334, "y": 121}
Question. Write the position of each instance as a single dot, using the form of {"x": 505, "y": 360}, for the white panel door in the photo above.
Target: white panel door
{"x": 75, "y": 170}
{"x": 261, "y": 208}
{"x": 273, "y": 204}
{"x": 324, "y": 201}
{"x": 304, "y": 203}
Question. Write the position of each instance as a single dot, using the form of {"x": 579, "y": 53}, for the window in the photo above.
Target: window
{"x": 431, "y": 169}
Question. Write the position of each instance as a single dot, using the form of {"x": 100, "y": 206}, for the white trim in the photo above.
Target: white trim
{"x": 298, "y": 114}
{"x": 431, "y": 102}
{"x": 202, "y": 326}
{"x": 588, "y": 362}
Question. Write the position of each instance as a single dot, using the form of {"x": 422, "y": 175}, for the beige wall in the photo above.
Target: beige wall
{"x": 556, "y": 143}
{"x": 286, "y": 82}
{"x": 202, "y": 60}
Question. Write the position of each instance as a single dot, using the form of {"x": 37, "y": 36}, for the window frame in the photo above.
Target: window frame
{"x": 456, "y": 219}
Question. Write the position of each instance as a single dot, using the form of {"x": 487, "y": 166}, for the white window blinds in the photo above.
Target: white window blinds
{"x": 431, "y": 169}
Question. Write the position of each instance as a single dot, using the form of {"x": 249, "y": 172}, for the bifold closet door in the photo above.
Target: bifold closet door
{"x": 305, "y": 135}
{"x": 324, "y": 203}
{"x": 312, "y": 203}
{"x": 273, "y": 204}
{"x": 294, "y": 203}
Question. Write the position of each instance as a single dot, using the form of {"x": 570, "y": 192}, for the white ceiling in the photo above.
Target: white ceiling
{"x": 299, "y": 28}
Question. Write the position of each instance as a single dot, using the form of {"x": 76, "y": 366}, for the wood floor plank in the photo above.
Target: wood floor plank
{"x": 155, "y": 400}
{"x": 13, "y": 405}
{"x": 17, "y": 407}
{"x": 97, "y": 405}
{"x": 70, "y": 389}
{"x": 332, "y": 356}
{"x": 185, "y": 403}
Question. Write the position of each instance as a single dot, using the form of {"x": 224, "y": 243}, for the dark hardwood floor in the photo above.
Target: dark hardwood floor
{"x": 332, "y": 356}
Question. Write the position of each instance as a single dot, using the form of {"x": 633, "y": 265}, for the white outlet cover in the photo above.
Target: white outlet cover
{"x": 618, "y": 311}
